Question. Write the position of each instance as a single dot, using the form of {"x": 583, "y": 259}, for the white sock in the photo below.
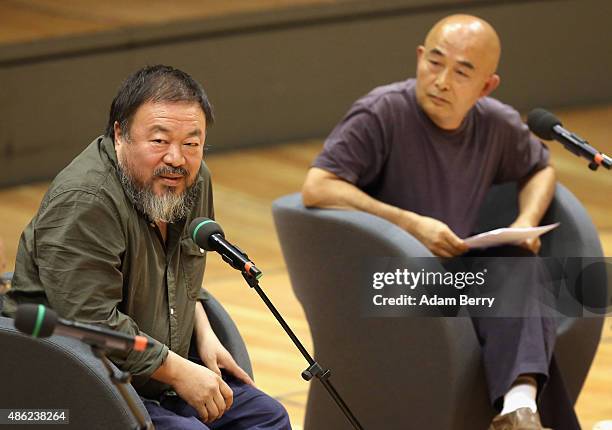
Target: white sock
{"x": 521, "y": 395}
{"x": 603, "y": 425}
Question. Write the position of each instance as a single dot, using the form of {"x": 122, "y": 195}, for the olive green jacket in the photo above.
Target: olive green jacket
{"x": 92, "y": 257}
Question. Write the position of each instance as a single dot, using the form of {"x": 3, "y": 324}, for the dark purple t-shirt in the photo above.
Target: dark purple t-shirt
{"x": 387, "y": 146}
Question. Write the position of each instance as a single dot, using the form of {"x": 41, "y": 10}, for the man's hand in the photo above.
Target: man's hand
{"x": 533, "y": 244}
{"x": 212, "y": 353}
{"x": 535, "y": 195}
{"x": 204, "y": 390}
{"x": 216, "y": 357}
{"x": 200, "y": 387}
{"x": 435, "y": 235}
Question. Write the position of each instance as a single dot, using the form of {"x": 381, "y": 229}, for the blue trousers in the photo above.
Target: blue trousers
{"x": 515, "y": 346}
{"x": 252, "y": 409}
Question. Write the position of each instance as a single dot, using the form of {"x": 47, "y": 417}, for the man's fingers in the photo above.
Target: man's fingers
{"x": 203, "y": 412}
{"x": 220, "y": 403}
{"x": 454, "y": 250}
{"x": 458, "y": 246}
{"x": 441, "y": 252}
{"x": 233, "y": 368}
{"x": 533, "y": 244}
{"x": 445, "y": 248}
{"x": 227, "y": 394}
{"x": 212, "y": 364}
{"x": 243, "y": 376}
{"x": 463, "y": 248}
{"x": 536, "y": 245}
{"x": 213, "y": 410}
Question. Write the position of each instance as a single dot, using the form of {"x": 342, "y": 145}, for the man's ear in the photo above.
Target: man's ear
{"x": 490, "y": 85}
{"x": 118, "y": 134}
{"x": 420, "y": 51}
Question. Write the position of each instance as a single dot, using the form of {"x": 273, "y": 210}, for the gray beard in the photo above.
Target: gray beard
{"x": 169, "y": 207}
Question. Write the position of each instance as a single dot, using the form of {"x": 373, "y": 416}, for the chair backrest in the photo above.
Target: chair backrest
{"x": 575, "y": 237}
{"x": 327, "y": 254}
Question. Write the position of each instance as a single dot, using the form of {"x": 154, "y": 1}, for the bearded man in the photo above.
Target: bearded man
{"x": 109, "y": 245}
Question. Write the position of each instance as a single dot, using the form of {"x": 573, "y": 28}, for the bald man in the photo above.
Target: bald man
{"x": 423, "y": 154}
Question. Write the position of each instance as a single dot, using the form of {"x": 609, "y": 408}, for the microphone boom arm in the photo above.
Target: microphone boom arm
{"x": 314, "y": 368}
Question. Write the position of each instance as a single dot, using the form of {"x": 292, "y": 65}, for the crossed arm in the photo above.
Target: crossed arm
{"x": 324, "y": 189}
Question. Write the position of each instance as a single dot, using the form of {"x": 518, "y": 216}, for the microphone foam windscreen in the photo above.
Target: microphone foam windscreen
{"x": 201, "y": 229}
{"x": 541, "y": 123}
{"x": 35, "y": 320}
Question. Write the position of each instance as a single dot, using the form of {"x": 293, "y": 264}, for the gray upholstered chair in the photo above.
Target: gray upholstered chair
{"x": 62, "y": 373}
{"x": 422, "y": 371}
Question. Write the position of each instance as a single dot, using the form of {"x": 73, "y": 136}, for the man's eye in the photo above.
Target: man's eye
{"x": 462, "y": 73}
{"x": 192, "y": 144}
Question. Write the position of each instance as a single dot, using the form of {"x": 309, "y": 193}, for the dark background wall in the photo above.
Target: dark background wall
{"x": 282, "y": 76}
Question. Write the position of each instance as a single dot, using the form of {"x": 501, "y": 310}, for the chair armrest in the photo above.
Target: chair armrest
{"x": 227, "y": 332}
{"x": 61, "y": 373}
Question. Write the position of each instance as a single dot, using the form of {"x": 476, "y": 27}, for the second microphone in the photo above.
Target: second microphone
{"x": 208, "y": 235}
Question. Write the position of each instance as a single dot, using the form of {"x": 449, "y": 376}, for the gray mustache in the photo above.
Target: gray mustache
{"x": 169, "y": 170}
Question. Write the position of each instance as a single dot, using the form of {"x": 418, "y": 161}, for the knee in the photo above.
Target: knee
{"x": 272, "y": 414}
{"x": 277, "y": 413}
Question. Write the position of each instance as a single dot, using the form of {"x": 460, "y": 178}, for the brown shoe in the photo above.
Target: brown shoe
{"x": 521, "y": 419}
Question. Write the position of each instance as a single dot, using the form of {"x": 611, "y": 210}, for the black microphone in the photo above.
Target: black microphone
{"x": 548, "y": 127}
{"x": 207, "y": 234}
{"x": 40, "y": 321}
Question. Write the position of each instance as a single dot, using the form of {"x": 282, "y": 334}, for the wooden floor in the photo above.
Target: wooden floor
{"x": 30, "y": 20}
{"x": 246, "y": 182}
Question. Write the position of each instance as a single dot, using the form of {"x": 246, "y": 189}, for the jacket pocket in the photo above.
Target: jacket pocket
{"x": 193, "y": 260}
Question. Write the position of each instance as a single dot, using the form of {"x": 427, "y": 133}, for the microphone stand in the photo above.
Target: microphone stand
{"x": 119, "y": 379}
{"x": 314, "y": 369}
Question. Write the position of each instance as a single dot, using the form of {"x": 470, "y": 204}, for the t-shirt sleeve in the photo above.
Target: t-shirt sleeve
{"x": 522, "y": 153}
{"x": 355, "y": 150}
{"x": 80, "y": 268}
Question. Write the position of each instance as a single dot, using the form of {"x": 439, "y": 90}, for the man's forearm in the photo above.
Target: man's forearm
{"x": 325, "y": 190}
{"x": 535, "y": 196}
{"x": 201, "y": 324}
{"x": 169, "y": 370}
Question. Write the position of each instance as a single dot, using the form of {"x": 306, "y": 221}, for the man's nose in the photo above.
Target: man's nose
{"x": 442, "y": 80}
{"x": 174, "y": 155}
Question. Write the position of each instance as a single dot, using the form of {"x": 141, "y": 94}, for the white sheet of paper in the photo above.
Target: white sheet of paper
{"x": 507, "y": 236}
